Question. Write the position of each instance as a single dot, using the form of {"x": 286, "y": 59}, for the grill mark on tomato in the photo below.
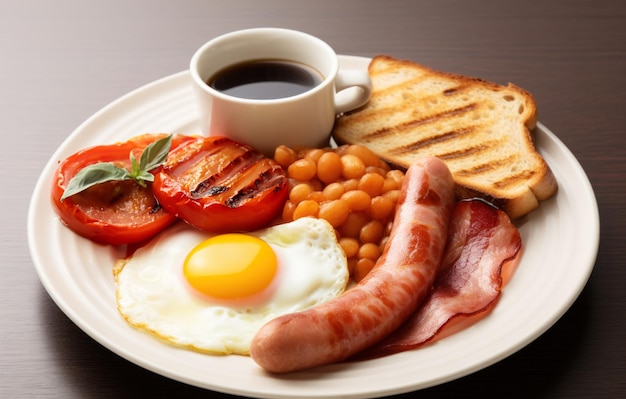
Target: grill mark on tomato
{"x": 267, "y": 179}
{"x": 155, "y": 209}
{"x": 215, "y": 190}
{"x": 245, "y": 193}
{"x": 239, "y": 179}
{"x": 222, "y": 181}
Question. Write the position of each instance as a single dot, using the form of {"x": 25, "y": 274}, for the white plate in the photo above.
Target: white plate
{"x": 561, "y": 242}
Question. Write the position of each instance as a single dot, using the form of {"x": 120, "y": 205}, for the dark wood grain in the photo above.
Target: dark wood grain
{"x": 62, "y": 61}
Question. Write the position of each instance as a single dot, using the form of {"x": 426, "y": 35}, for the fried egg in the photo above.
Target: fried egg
{"x": 211, "y": 293}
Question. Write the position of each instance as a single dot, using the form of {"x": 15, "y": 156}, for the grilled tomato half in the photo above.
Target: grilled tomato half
{"x": 117, "y": 211}
{"x": 219, "y": 185}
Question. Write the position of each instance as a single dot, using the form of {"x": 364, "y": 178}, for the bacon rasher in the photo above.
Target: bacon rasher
{"x": 481, "y": 239}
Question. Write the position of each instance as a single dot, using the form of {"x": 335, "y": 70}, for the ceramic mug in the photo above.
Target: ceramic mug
{"x": 304, "y": 119}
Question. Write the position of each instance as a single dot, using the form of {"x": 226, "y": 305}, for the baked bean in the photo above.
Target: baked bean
{"x": 390, "y": 184}
{"x": 303, "y": 169}
{"x": 285, "y": 156}
{"x": 352, "y": 166}
{"x": 396, "y": 175}
{"x": 369, "y": 250}
{"x": 372, "y": 232}
{"x": 335, "y": 212}
{"x": 305, "y": 208}
{"x": 381, "y": 208}
{"x": 329, "y": 167}
{"x": 393, "y": 195}
{"x": 353, "y": 224}
{"x": 333, "y": 191}
{"x": 342, "y": 150}
{"x": 314, "y": 154}
{"x": 317, "y": 196}
{"x": 350, "y": 246}
{"x": 288, "y": 209}
{"x": 366, "y": 155}
{"x": 362, "y": 267}
{"x": 372, "y": 184}
{"x": 299, "y": 192}
{"x": 376, "y": 169}
{"x": 350, "y": 184}
{"x": 357, "y": 200}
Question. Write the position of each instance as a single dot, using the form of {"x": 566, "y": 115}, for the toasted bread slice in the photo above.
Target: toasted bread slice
{"x": 482, "y": 131}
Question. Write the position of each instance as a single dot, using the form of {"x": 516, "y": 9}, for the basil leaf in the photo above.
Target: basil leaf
{"x": 152, "y": 157}
{"x": 155, "y": 154}
{"x": 94, "y": 174}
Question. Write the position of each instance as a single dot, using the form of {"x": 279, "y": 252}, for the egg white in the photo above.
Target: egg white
{"x": 152, "y": 293}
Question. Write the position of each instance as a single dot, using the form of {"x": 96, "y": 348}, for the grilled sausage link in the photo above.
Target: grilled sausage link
{"x": 386, "y": 297}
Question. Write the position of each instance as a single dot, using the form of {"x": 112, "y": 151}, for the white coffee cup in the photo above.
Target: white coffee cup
{"x": 304, "y": 119}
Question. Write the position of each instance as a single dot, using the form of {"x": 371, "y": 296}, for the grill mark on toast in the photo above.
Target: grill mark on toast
{"x": 515, "y": 179}
{"x": 387, "y": 131}
{"x": 464, "y": 152}
{"x": 484, "y": 168}
{"x": 432, "y": 140}
{"x": 453, "y": 90}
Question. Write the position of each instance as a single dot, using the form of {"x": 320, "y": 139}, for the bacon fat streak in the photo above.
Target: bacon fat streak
{"x": 382, "y": 301}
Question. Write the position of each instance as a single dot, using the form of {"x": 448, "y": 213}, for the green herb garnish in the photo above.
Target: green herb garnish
{"x": 153, "y": 156}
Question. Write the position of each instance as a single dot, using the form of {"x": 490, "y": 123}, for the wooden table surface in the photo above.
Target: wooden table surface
{"x": 62, "y": 61}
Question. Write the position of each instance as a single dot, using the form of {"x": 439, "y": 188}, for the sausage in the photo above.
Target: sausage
{"x": 385, "y": 298}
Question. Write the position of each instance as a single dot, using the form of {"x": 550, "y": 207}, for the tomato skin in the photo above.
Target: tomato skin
{"x": 138, "y": 217}
{"x": 219, "y": 185}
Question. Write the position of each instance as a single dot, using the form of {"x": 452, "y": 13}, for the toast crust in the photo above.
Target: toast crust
{"x": 482, "y": 130}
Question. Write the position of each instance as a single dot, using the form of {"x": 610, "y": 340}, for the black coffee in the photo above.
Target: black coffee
{"x": 265, "y": 79}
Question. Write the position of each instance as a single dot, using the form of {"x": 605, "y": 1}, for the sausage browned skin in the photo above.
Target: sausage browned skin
{"x": 375, "y": 307}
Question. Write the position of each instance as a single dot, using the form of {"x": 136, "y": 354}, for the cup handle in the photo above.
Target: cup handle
{"x": 352, "y": 89}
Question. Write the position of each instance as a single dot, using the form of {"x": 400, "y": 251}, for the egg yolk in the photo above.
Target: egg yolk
{"x": 230, "y": 266}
